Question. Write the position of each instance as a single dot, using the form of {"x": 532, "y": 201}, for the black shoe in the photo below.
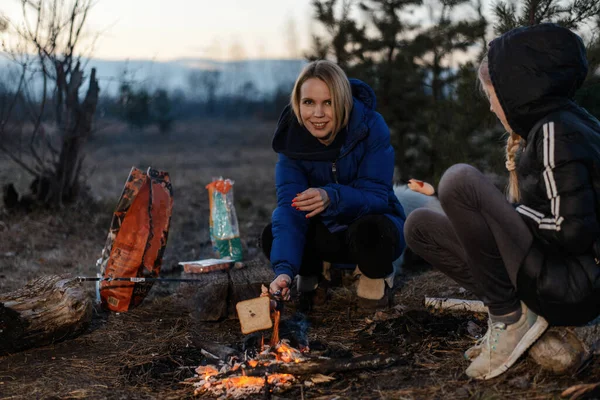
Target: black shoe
{"x": 308, "y": 299}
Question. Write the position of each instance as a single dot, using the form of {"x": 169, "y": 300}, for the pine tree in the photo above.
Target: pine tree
{"x": 570, "y": 14}
{"x": 444, "y": 137}
{"x": 344, "y": 34}
{"x": 415, "y": 85}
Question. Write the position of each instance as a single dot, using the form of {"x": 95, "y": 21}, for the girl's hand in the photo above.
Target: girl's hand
{"x": 313, "y": 200}
{"x": 421, "y": 187}
{"x": 280, "y": 287}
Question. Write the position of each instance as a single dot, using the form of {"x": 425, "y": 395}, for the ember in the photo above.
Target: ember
{"x": 238, "y": 387}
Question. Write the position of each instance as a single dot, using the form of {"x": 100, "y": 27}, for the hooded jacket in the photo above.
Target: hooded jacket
{"x": 355, "y": 170}
{"x": 535, "y": 72}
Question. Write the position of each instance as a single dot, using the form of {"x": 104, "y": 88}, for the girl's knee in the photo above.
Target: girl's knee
{"x": 416, "y": 224}
{"x": 456, "y": 181}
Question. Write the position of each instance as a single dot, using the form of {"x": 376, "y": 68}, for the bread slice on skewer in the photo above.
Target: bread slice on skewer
{"x": 254, "y": 314}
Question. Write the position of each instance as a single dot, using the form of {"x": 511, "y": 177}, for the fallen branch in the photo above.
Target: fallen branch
{"x": 216, "y": 350}
{"x": 326, "y": 366}
{"x": 581, "y": 391}
{"x": 441, "y": 303}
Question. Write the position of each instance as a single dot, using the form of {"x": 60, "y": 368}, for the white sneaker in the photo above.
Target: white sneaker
{"x": 472, "y": 352}
{"x": 505, "y": 344}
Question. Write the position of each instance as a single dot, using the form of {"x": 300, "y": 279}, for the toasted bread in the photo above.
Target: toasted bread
{"x": 254, "y": 314}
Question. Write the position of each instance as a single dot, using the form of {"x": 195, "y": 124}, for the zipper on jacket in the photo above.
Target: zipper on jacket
{"x": 334, "y": 170}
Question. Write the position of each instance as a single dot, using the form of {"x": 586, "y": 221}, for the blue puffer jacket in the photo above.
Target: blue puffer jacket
{"x": 357, "y": 176}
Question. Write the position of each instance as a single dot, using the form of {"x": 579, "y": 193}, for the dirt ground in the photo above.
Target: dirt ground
{"x": 147, "y": 352}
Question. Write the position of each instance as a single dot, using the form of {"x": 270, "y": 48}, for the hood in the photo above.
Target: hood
{"x": 363, "y": 93}
{"x": 295, "y": 141}
{"x": 535, "y": 71}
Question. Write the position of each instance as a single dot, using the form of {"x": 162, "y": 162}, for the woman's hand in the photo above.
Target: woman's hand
{"x": 280, "y": 287}
{"x": 313, "y": 200}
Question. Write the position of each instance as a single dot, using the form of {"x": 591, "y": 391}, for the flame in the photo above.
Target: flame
{"x": 275, "y": 337}
{"x": 252, "y": 363}
{"x": 287, "y": 353}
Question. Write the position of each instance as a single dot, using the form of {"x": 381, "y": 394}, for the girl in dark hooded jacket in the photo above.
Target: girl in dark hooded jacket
{"x": 335, "y": 201}
{"x": 533, "y": 260}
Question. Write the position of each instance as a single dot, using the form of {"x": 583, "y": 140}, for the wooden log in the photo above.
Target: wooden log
{"x": 216, "y": 293}
{"x": 370, "y": 361}
{"x": 207, "y": 299}
{"x": 46, "y": 310}
{"x": 563, "y": 350}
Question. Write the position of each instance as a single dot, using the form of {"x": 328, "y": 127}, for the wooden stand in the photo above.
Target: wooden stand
{"x": 46, "y": 310}
{"x": 214, "y": 297}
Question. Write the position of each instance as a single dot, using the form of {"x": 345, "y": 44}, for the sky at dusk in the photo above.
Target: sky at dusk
{"x": 223, "y": 30}
{"x": 216, "y": 29}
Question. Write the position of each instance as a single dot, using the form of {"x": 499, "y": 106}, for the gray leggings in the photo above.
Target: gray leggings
{"x": 480, "y": 241}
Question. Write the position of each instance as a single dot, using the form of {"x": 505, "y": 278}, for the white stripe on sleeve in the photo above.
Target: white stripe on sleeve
{"x": 549, "y": 223}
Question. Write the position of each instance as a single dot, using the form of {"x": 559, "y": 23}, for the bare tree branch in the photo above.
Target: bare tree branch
{"x": 48, "y": 96}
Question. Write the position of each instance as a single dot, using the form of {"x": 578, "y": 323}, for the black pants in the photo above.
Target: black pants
{"x": 480, "y": 241}
{"x": 371, "y": 242}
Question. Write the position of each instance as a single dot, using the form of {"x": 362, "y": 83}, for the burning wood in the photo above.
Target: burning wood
{"x": 239, "y": 387}
{"x": 275, "y": 369}
{"x": 233, "y": 381}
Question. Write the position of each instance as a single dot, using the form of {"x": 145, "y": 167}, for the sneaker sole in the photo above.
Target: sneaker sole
{"x": 533, "y": 334}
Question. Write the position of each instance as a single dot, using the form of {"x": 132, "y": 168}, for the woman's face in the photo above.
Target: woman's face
{"x": 495, "y": 106}
{"x": 316, "y": 109}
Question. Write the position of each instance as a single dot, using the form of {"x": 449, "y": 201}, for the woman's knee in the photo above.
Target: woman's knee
{"x": 372, "y": 232}
{"x": 266, "y": 240}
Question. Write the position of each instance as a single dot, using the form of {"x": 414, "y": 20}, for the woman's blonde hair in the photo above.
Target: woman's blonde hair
{"x": 339, "y": 87}
{"x": 513, "y": 142}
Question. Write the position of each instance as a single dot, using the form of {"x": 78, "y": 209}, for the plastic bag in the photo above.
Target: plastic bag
{"x": 224, "y": 229}
{"x": 137, "y": 238}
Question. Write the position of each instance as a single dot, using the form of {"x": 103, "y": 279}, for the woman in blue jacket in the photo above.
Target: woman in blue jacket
{"x": 335, "y": 201}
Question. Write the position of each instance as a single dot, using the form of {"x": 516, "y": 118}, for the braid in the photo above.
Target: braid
{"x": 512, "y": 145}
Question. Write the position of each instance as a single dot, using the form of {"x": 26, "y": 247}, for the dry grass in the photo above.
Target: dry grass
{"x": 147, "y": 352}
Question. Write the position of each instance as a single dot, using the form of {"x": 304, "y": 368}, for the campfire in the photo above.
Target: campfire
{"x": 274, "y": 368}
{"x": 231, "y": 379}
